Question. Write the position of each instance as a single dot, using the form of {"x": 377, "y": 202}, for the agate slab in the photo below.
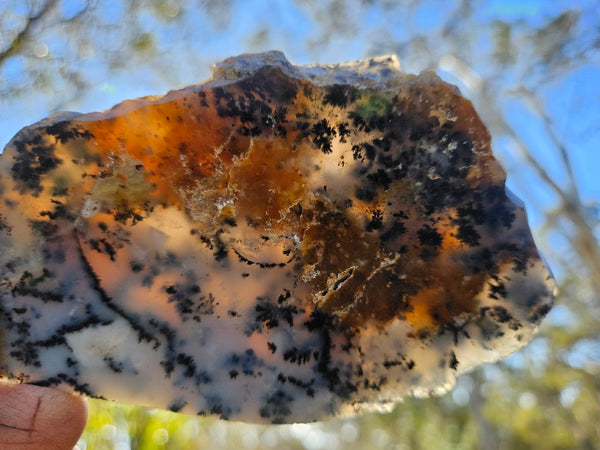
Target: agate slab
{"x": 279, "y": 244}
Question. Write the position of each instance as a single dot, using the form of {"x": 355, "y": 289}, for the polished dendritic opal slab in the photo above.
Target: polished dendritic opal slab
{"x": 279, "y": 244}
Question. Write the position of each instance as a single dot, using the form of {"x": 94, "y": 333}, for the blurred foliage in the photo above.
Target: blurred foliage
{"x": 54, "y": 53}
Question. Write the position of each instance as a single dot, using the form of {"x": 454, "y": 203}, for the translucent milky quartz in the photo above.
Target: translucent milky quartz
{"x": 279, "y": 244}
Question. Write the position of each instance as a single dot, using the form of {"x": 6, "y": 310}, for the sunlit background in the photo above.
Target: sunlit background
{"x": 532, "y": 70}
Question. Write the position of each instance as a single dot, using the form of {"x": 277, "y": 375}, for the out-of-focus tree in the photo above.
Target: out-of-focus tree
{"x": 515, "y": 60}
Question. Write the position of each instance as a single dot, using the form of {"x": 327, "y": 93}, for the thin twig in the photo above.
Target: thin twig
{"x": 24, "y": 34}
{"x": 584, "y": 240}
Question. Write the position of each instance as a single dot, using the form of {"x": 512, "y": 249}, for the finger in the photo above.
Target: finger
{"x": 36, "y": 418}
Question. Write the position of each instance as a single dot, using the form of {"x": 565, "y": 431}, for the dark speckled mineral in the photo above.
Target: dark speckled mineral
{"x": 279, "y": 244}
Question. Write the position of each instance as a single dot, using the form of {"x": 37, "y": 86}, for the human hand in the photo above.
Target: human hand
{"x": 38, "y": 418}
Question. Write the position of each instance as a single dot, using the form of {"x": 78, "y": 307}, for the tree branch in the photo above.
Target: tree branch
{"x": 25, "y": 33}
{"x": 584, "y": 240}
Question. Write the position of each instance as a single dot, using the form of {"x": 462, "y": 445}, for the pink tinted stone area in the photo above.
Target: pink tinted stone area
{"x": 280, "y": 244}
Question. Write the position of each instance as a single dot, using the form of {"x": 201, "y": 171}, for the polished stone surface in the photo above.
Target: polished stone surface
{"x": 279, "y": 244}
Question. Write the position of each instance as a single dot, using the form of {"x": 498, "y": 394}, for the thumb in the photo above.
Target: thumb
{"x": 36, "y": 418}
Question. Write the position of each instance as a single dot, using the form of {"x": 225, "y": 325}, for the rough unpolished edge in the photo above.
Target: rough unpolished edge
{"x": 375, "y": 72}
